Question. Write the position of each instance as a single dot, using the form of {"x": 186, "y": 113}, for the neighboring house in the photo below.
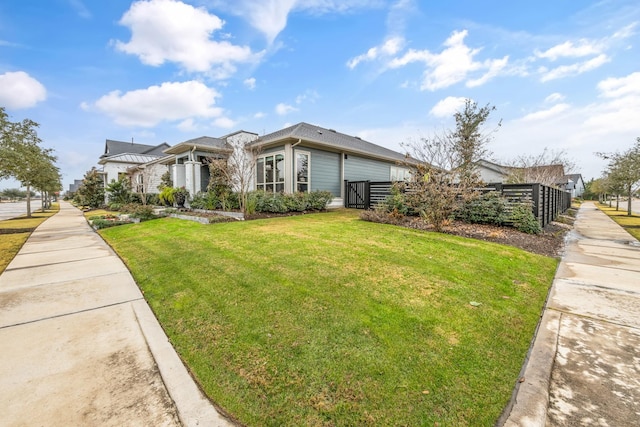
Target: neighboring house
{"x": 574, "y": 183}
{"x": 119, "y": 156}
{"x": 492, "y": 172}
{"x": 305, "y": 157}
{"x": 553, "y": 175}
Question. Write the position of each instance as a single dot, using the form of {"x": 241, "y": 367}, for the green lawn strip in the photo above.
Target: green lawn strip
{"x": 14, "y": 233}
{"x": 630, "y": 223}
{"x": 325, "y": 318}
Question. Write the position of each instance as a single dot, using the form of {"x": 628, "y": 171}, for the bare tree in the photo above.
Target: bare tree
{"x": 237, "y": 171}
{"x": 445, "y": 176}
{"x": 548, "y": 168}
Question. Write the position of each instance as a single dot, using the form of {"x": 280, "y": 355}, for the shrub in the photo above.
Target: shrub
{"x": 101, "y": 223}
{"x": 318, "y": 200}
{"x": 296, "y": 202}
{"x": 206, "y": 200}
{"x": 489, "y": 208}
{"x": 138, "y": 211}
{"x": 523, "y": 219}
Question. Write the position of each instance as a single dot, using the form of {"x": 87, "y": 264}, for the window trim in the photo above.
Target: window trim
{"x": 295, "y": 170}
{"x": 263, "y": 185}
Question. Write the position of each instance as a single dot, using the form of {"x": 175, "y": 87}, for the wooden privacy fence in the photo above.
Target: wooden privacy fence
{"x": 547, "y": 202}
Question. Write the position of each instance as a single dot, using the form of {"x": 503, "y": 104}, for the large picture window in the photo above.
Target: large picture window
{"x": 270, "y": 173}
{"x": 302, "y": 171}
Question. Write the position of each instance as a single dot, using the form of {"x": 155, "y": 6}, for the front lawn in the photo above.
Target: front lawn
{"x": 326, "y": 319}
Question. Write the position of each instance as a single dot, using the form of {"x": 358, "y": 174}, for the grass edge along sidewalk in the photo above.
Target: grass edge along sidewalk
{"x": 327, "y": 319}
{"x": 631, "y": 224}
{"x": 16, "y": 231}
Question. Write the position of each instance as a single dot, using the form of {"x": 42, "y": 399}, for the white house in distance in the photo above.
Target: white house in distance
{"x": 120, "y": 156}
{"x": 491, "y": 172}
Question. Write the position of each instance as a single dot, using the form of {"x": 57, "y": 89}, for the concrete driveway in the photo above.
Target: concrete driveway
{"x": 80, "y": 346}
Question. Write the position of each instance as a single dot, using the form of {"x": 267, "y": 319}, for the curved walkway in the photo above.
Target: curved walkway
{"x": 79, "y": 344}
{"x": 583, "y": 367}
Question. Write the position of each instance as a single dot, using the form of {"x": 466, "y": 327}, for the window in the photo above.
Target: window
{"x": 302, "y": 171}
{"x": 270, "y": 173}
{"x": 399, "y": 174}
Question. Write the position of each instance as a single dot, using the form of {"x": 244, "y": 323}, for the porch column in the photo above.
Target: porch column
{"x": 177, "y": 175}
{"x": 192, "y": 177}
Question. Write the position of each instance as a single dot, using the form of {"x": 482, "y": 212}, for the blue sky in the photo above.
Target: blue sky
{"x": 564, "y": 75}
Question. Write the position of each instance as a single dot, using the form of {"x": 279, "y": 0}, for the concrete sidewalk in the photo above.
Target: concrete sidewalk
{"x": 584, "y": 367}
{"x": 80, "y": 346}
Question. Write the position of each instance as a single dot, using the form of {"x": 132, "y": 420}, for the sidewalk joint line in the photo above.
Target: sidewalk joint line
{"x": 595, "y": 319}
{"x": 72, "y": 313}
{"x": 54, "y": 263}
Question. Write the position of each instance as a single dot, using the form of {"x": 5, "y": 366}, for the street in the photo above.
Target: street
{"x": 14, "y": 209}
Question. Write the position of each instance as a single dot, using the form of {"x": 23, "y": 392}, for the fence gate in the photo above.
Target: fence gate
{"x": 357, "y": 194}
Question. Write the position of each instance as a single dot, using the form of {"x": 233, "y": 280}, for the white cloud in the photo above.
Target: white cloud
{"x": 19, "y": 90}
{"x": 80, "y": 8}
{"x": 447, "y": 107}
{"x": 270, "y": 16}
{"x": 283, "y": 109}
{"x": 495, "y": 68}
{"x": 169, "y": 30}
{"x": 309, "y": 96}
{"x": 224, "y": 122}
{"x": 545, "y": 114}
{"x": 187, "y": 125}
{"x": 390, "y": 47}
{"x": 250, "y": 83}
{"x": 554, "y": 97}
{"x": 452, "y": 65}
{"x": 168, "y": 102}
{"x": 573, "y": 69}
{"x": 259, "y": 115}
{"x": 569, "y": 49}
{"x": 616, "y": 87}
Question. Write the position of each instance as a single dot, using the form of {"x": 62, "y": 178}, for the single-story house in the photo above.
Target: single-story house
{"x": 306, "y": 157}
{"x": 302, "y": 157}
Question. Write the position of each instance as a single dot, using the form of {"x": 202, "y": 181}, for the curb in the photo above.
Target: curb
{"x": 193, "y": 408}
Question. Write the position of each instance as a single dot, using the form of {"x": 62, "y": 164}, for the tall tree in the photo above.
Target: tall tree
{"x": 624, "y": 171}
{"x": 21, "y": 156}
{"x": 445, "y": 175}
{"x": 91, "y": 191}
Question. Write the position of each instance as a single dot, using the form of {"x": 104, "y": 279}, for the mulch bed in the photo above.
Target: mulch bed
{"x": 549, "y": 242}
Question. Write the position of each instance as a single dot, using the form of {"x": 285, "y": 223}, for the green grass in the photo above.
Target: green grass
{"x": 630, "y": 223}
{"x": 325, "y": 319}
{"x": 14, "y": 233}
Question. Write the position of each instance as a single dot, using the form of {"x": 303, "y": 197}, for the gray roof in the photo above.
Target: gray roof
{"x": 331, "y": 139}
{"x": 205, "y": 143}
{"x": 134, "y": 158}
{"x": 112, "y": 148}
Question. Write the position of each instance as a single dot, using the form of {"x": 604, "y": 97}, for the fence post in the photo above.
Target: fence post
{"x": 535, "y": 195}
{"x": 367, "y": 195}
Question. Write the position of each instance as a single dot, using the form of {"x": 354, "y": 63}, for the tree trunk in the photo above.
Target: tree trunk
{"x": 28, "y": 201}
{"x": 629, "y": 200}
